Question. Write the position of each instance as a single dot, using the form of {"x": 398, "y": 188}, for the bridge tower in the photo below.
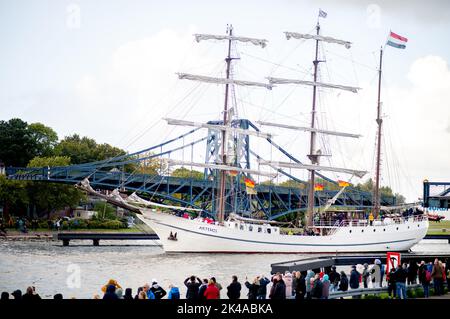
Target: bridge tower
{"x": 238, "y": 154}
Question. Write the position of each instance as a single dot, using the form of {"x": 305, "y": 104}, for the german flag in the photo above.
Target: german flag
{"x": 318, "y": 187}
{"x": 343, "y": 183}
{"x": 249, "y": 183}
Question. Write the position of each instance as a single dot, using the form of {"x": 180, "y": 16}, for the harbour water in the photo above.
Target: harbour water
{"x": 81, "y": 269}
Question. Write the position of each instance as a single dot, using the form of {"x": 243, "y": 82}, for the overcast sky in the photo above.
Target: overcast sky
{"x": 106, "y": 69}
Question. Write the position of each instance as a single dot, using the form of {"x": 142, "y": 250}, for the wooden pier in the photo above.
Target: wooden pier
{"x": 96, "y": 237}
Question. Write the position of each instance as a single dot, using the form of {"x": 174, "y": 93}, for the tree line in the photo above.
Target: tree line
{"x": 37, "y": 145}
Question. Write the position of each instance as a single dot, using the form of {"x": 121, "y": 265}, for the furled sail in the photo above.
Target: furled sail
{"x": 312, "y": 83}
{"x": 209, "y": 79}
{"x": 135, "y": 199}
{"x": 217, "y": 127}
{"x": 222, "y": 167}
{"x": 296, "y": 35}
{"x": 314, "y": 167}
{"x": 309, "y": 129}
{"x": 261, "y": 42}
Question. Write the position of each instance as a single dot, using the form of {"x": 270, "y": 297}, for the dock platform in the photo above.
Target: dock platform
{"x": 439, "y": 236}
{"x": 96, "y": 237}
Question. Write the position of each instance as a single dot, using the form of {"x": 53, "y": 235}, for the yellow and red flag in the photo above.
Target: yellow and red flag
{"x": 249, "y": 183}
{"x": 318, "y": 187}
{"x": 343, "y": 183}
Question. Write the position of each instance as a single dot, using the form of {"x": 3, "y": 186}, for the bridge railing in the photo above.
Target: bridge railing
{"x": 322, "y": 223}
{"x": 365, "y": 291}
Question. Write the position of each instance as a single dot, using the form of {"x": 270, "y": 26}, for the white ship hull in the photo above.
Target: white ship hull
{"x": 200, "y": 237}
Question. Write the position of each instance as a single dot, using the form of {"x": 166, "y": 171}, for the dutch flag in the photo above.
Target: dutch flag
{"x": 396, "y": 41}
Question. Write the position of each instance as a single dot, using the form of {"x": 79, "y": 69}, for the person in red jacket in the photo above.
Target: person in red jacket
{"x": 211, "y": 292}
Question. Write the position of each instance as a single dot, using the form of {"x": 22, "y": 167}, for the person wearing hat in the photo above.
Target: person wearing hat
{"x": 111, "y": 282}
{"x": 157, "y": 290}
{"x": 377, "y": 272}
{"x": 17, "y": 294}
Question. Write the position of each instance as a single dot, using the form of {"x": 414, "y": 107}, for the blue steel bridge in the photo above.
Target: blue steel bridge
{"x": 270, "y": 202}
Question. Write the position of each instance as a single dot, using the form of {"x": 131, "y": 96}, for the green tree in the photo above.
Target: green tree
{"x": 369, "y": 186}
{"x": 52, "y": 196}
{"x": 187, "y": 173}
{"x": 104, "y": 211}
{"x": 17, "y": 145}
{"x": 49, "y": 161}
{"x": 14, "y": 196}
{"x": 44, "y": 137}
{"x": 400, "y": 199}
{"x": 292, "y": 184}
{"x": 85, "y": 150}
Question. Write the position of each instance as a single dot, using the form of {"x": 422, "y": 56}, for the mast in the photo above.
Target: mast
{"x": 222, "y": 185}
{"x": 312, "y": 156}
{"x": 379, "y": 121}
{"x": 225, "y": 127}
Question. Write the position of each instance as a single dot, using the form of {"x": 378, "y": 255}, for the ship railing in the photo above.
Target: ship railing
{"x": 334, "y": 224}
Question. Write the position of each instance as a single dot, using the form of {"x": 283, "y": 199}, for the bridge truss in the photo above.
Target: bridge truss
{"x": 270, "y": 201}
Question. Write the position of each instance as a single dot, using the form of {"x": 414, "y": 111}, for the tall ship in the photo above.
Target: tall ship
{"x": 326, "y": 229}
